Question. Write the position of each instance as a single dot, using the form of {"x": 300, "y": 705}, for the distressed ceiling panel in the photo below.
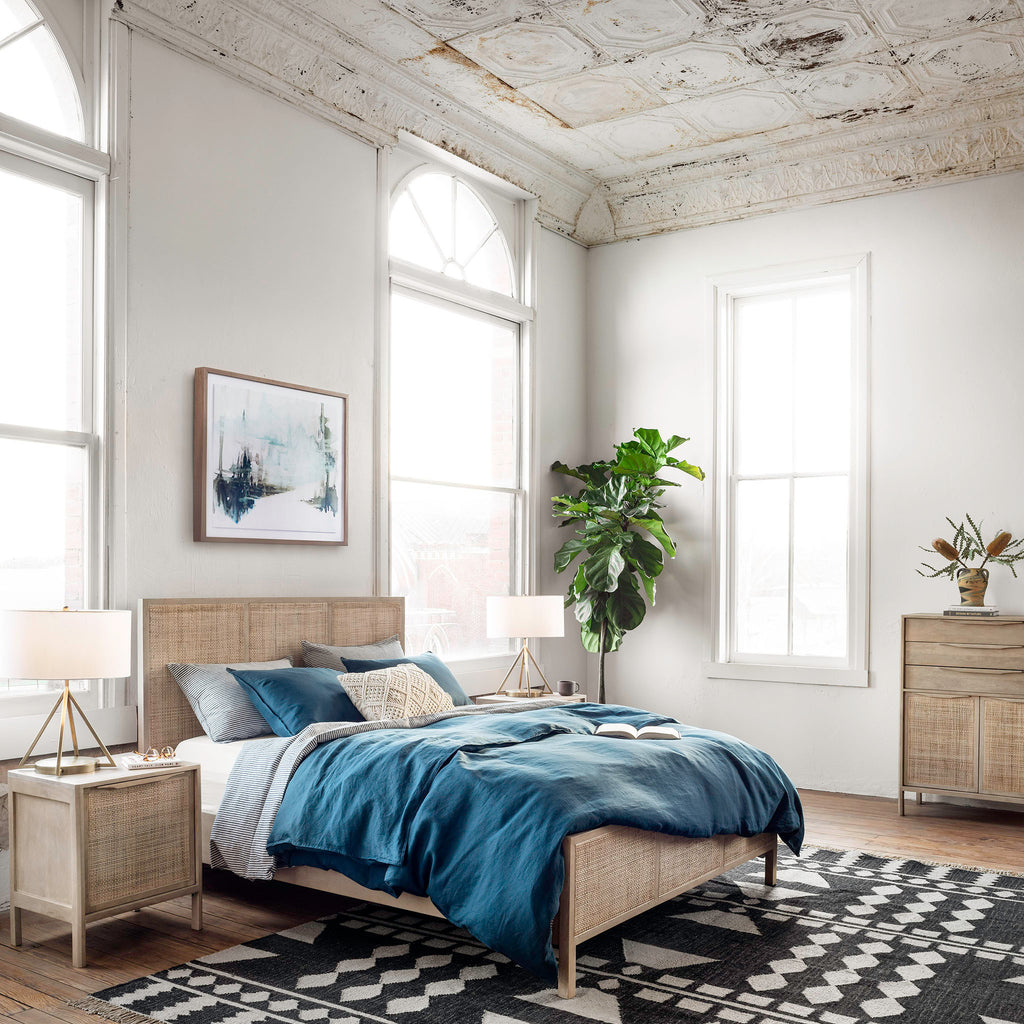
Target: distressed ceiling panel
{"x": 627, "y": 117}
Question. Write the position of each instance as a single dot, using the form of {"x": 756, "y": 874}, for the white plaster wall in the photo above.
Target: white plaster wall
{"x": 251, "y": 248}
{"x": 251, "y": 233}
{"x": 560, "y": 415}
{"x": 947, "y": 360}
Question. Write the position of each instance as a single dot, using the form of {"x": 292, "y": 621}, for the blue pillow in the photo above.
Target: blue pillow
{"x": 430, "y": 663}
{"x": 292, "y": 698}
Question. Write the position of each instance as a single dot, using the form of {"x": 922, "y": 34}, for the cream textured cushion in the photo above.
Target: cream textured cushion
{"x": 400, "y": 692}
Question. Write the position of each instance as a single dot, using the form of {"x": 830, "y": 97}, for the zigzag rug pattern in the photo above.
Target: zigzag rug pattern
{"x": 845, "y": 938}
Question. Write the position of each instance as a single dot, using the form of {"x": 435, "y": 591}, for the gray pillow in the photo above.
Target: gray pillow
{"x": 223, "y": 708}
{"x": 322, "y": 656}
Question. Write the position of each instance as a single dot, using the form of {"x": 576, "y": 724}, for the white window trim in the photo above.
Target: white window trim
{"x": 722, "y": 291}
{"x": 395, "y": 273}
{"x": 105, "y": 108}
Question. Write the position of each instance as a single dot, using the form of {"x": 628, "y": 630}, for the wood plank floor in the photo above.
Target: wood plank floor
{"x": 37, "y": 979}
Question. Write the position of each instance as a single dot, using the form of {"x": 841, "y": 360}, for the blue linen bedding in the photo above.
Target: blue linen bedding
{"x": 471, "y": 810}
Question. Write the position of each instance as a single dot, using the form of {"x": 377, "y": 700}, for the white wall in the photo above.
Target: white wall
{"x": 251, "y": 249}
{"x": 946, "y": 363}
{"x": 251, "y": 234}
{"x": 560, "y": 419}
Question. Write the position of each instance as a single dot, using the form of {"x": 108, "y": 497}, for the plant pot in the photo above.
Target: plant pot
{"x": 973, "y": 584}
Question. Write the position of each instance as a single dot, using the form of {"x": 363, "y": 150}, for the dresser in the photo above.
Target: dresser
{"x": 962, "y": 707}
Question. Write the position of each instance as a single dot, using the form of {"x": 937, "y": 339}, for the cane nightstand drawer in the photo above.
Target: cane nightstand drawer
{"x": 140, "y": 839}
{"x": 966, "y": 655}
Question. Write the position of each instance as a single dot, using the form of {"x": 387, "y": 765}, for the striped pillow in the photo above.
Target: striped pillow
{"x": 322, "y": 656}
{"x": 223, "y": 708}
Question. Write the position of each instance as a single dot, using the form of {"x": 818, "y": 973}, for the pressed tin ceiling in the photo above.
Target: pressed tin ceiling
{"x": 629, "y": 117}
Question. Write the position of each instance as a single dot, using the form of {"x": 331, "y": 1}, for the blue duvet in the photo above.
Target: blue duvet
{"x": 471, "y": 811}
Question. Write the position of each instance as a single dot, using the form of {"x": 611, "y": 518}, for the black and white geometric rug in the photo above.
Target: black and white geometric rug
{"x": 845, "y": 938}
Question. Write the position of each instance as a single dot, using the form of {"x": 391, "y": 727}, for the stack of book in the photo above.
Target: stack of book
{"x": 967, "y": 611}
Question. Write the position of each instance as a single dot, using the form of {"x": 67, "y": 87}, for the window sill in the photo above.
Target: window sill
{"x": 808, "y": 675}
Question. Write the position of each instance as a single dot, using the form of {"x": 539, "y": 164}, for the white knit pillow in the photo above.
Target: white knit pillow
{"x": 403, "y": 691}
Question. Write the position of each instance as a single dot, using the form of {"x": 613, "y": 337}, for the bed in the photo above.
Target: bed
{"x": 612, "y": 873}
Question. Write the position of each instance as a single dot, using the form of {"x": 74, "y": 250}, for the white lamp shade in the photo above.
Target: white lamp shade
{"x": 525, "y": 616}
{"x": 65, "y": 645}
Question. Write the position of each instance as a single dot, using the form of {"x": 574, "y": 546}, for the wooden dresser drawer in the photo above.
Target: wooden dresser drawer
{"x": 940, "y": 742}
{"x": 965, "y": 655}
{"x": 1007, "y": 681}
{"x": 947, "y": 629}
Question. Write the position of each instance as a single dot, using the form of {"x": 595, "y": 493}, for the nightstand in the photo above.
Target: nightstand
{"x": 85, "y": 847}
{"x": 504, "y": 698}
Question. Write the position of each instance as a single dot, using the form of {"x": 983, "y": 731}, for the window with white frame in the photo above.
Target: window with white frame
{"x": 455, "y": 397}
{"x": 791, "y": 475}
{"x": 50, "y": 418}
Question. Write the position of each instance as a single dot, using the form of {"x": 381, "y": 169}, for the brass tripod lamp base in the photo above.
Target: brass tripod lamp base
{"x": 74, "y": 764}
{"x": 523, "y": 661}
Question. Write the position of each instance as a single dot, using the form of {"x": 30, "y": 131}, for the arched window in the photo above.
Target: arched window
{"x": 438, "y": 222}
{"x": 36, "y": 83}
{"x": 456, "y": 400}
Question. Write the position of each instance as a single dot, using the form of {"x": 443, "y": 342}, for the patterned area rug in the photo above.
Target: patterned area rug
{"x": 844, "y": 938}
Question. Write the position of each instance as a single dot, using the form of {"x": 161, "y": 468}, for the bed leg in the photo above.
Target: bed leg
{"x": 771, "y": 865}
{"x": 566, "y": 923}
{"x": 567, "y": 970}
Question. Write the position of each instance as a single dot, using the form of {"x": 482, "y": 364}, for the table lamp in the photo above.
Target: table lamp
{"x": 525, "y": 617}
{"x": 66, "y": 645}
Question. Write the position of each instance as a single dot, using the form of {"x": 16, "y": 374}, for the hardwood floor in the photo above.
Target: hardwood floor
{"x": 37, "y": 979}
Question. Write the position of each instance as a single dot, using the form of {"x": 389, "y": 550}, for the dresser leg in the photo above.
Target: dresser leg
{"x": 197, "y": 911}
{"x": 15, "y": 926}
{"x": 78, "y": 943}
{"x": 900, "y": 808}
{"x": 920, "y": 798}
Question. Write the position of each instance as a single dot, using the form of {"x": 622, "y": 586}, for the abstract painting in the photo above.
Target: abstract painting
{"x": 270, "y": 460}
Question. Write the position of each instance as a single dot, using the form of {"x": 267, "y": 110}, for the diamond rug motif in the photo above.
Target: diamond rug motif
{"x": 845, "y": 938}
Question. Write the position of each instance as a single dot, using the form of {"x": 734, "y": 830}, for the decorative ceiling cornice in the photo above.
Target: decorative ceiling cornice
{"x": 308, "y": 63}
{"x": 967, "y": 140}
{"x": 291, "y": 51}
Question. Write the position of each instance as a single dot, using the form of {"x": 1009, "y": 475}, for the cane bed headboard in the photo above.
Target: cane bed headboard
{"x": 201, "y": 630}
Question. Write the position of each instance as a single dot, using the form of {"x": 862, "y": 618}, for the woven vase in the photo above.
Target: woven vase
{"x": 973, "y": 584}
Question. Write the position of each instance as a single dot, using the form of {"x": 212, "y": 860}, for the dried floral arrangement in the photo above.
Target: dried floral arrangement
{"x": 967, "y": 545}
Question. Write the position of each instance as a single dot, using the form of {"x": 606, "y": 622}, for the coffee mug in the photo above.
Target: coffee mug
{"x": 567, "y": 687}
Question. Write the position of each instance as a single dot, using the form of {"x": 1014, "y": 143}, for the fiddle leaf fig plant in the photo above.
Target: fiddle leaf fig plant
{"x": 619, "y": 541}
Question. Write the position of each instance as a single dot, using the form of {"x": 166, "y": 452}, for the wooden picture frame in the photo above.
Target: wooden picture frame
{"x": 270, "y": 461}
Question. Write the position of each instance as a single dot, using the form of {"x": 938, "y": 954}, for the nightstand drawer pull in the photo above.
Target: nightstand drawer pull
{"x": 128, "y": 784}
{"x": 988, "y": 647}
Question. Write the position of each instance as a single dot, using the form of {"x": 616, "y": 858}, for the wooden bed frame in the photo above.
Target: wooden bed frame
{"x": 612, "y": 873}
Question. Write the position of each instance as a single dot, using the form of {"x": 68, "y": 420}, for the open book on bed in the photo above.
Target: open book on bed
{"x": 624, "y": 731}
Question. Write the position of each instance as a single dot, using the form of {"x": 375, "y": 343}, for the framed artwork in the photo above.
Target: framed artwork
{"x": 270, "y": 461}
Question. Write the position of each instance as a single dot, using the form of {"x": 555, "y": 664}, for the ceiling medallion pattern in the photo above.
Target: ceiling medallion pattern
{"x": 629, "y": 117}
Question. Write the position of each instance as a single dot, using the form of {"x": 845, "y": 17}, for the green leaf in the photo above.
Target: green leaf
{"x": 636, "y": 462}
{"x": 601, "y": 570}
{"x": 626, "y": 609}
{"x": 650, "y": 586}
{"x": 674, "y": 442}
{"x": 645, "y": 556}
{"x": 685, "y": 467}
{"x": 651, "y": 440}
{"x": 656, "y": 528}
{"x": 591, "y": 640}
{"x": 569, "y": 551}
{"x": 592, "y": 473}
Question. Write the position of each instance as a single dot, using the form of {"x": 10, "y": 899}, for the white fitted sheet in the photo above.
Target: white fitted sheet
{"x": 215, "y": 762}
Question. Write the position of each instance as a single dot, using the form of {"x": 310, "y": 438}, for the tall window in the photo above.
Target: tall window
{"x": 49, "y": 422}
{"x": 457, "y": 498}
{"x": 791, "y": 474}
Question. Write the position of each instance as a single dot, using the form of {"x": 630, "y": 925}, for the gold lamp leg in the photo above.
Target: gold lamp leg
{"x": 547, "y": 687}
{"x": 518, "y": 661}
{"x": 67, "y": 704}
